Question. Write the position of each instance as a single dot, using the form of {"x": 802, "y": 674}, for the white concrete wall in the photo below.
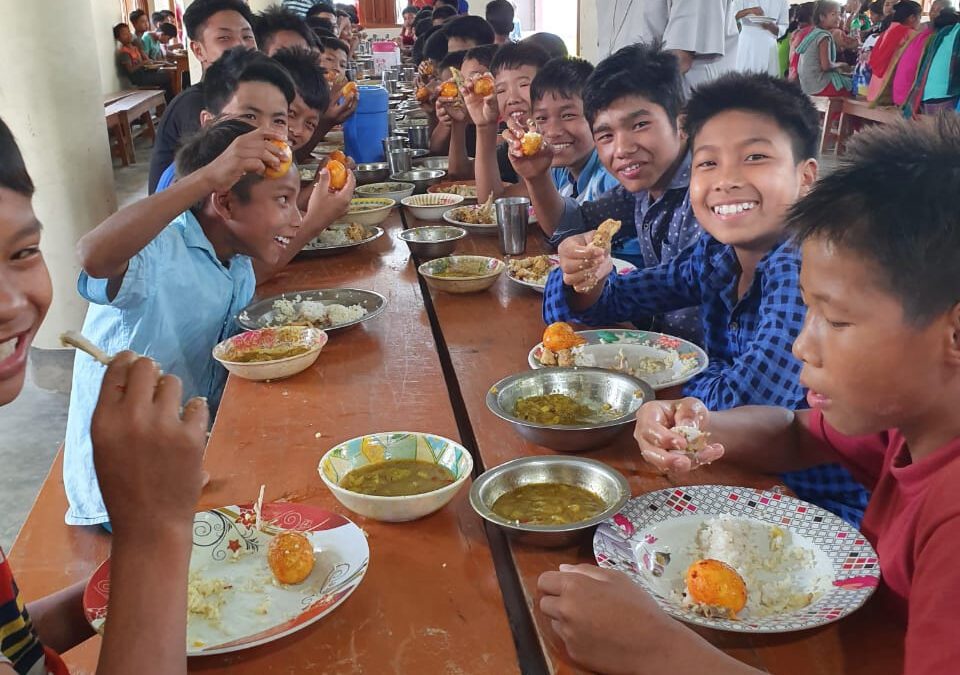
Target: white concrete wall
{"x": 106, "y": 13}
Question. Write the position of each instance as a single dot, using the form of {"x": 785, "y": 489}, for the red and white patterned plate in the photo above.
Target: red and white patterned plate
{"x": 255, "y": 609}
{"x": 652, "y": 538}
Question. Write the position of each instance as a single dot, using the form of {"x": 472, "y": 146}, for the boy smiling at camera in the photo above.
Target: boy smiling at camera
{"x": 881, "y": 354}
{"x": 754, "y": 141}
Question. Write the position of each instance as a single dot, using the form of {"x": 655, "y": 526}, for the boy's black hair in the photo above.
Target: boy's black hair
{"x": 424, "y": 13}
{"x": 209, "y": 143}
{"x": 513, "y": 55}
{"x": 564, "y": 78}
{"x": 410, "y": 9}
{"x": 157, "y": 18}
{"x": 13, "y": 172}
{"x": 443, "y": 12}
{"x": 275, "y": 19}
{"x": 116, "y": 30}
{"x": 421, "y": 42}
{"x": 435, "y": 46}
{"x": 895, "y": 201}
{"x": 805, "y": 13}
{"x": 168, "y": 29}
{"x": 550, "y": 43}
{"x": 500, "y": 14}
{"x": 335, "y": 44}
{"x": 321, "y": 8}
{"x": 321, "y": 27}
{"x": 782, "y": 101}
{"x": 483, "y": 54}
{"x": 135, "y": 15}
{"x": 635, "y": 70}
{"x": 422, "y": 26}
{"x": 469, "y": 27}
{"x": 348, "y": 10}
{"x": 307, "y": 73}
{"x": 905, "y": 9}
{"x": 453, "y": 60}
{"x": 196, "y": 15}
{"x": 242, "y": 65}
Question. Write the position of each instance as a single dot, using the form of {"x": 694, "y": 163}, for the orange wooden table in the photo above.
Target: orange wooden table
{"x": 430, "y": 601}
{"x": 485, "y": 337}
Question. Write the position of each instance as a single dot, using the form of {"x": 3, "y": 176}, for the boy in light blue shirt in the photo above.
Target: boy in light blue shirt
{"x": 167, "y": 275}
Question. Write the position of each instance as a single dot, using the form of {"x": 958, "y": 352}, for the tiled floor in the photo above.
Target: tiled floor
{"x": 31, "y": 428}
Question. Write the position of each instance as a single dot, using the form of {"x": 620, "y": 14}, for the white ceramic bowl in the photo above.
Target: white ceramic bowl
{"x": 475, "y": 273}
{"x": 383, "y": 447}
{"x": 430, "y": 206}
{"x": 266, "y": 338}
{"x": 374, "y": 210}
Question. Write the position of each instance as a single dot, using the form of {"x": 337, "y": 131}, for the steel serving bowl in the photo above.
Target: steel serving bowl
{"x": 433, "y": 241}
{"x": 394, "y": 191}
{"x": 593, "y": 387}
{"x": 421, "y": 178}
{"x": 442, "y": 163}
{"x": 376, "y": 172}
{"x": 475, "y": 273}
{"x": 260, "y": 314}
{"x": 589, "y": 474}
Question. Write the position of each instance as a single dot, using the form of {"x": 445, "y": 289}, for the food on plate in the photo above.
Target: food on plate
{"x": 777, "y": 572}
{"x": 476, "y": 215}
{"x": 554, "y": 409}
{"x": 285, "y": 162}
{"x": 532, "y": 140}
{"x": 341, "y": 235}
{"x": 458, "y": 189}
{"x": 483, "y": 85}
{"x": 533, "y": 270}
{"x": 307, "y": 173}
{"x": 548, "y": 504}
{"x": 299, "y": 312}
{"x": 604, "y": 234}
{"x": 715, "y": 589}
{"x": 338, "y": 174}
{"x": 265, "y": 354}
{"x": 349, "y": 89}
{"x": 454, "y": 272}
{"x": 398, "y": 478}
{"x": 696, "y": 439}
{"x": 339, "y": 156}
{"x": 290, "y": 556}
{"x": 205, "y": 596}
{"x": 449, "y": 90}
{"x": 560, "y": 335}
{"x": 647, "y": 365}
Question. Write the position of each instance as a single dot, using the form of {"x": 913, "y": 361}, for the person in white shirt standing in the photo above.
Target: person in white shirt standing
{"x": 762, "y": 22}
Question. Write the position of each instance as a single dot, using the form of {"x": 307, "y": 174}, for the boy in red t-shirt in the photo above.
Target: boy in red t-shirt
{"x": 881, "y": 358}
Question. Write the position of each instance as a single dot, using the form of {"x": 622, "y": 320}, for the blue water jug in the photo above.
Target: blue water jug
{"x": 364, "y": 131}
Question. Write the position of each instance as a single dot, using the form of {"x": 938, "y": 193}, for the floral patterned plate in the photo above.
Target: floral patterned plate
{"x": 622, "y": 267}
{"x": 652, "y": 541}
{"x": 660, "y": 360}
{"x": 254, "y": 609}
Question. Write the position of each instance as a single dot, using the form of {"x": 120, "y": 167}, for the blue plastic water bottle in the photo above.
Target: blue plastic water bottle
{"x": 364, "y": 131}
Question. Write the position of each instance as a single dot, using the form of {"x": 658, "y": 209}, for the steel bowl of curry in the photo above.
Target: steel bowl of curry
{"x": 549, "y": 500}
{"x": 396, "y": 476}
{"x": 271, "y": 353}
{"x": 462, "y": 273}
{"x": 568, "y": 409}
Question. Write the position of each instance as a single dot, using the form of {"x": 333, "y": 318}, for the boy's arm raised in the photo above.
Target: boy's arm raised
{"x": 106, "y": 250}
{"x": 485, "y": 113}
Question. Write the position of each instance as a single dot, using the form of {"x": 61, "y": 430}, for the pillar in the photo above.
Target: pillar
{"x": 50, "y": 96}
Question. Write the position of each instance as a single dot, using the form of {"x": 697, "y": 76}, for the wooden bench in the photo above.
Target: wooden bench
{"x": 861, "y": 111}
{"x": 830, "y": 106}
{"x": 137, "y": 106}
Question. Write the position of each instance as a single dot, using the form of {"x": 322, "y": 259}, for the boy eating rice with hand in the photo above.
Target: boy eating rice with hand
{"x": 754, "y": 143}
{"x": 167, "y": 274}
{"x": 881, "y": 354}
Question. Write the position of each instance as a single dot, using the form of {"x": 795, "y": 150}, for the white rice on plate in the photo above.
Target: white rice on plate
{"x": 295, "y": 312}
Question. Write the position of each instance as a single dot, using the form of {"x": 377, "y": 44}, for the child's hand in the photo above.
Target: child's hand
{"x": 666, "y": 449}
{"x": 526, "y": 166}
{"x": 583, "y": 266}
{"x": 250, "y": 153}
{"x": 147, "y": 456}
{"x": 483, "y": 110}
{"x": 450, "y": 110}
{"x": 587, "y": 606}
{"x": 340, "y": 107}
{"x": 325, "y": 206}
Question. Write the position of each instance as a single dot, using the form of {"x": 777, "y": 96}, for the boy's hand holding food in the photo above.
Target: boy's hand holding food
{"x": 483, "y": 108}
{"x": 147, "y": 454}
{"x": 585, "y": 267}
{"x": 529, "y": 154}
{"x": 674, "y": 435}
{"x": 256, "y": 152}
{"x": 330, "y": 198}
{"x": 449, "y": 106}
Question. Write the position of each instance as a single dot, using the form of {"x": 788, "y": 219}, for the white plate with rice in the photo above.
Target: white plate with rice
{"x": 328, "y": 309}
{"x": 802, "y": 566}
{"x": 339, "y": 238}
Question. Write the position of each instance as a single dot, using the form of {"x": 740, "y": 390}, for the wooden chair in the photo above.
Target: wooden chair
{"x": 856, "y": 110}
{"x": 830, "y": 106}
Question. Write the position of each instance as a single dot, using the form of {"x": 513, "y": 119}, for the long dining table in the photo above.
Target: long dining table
{"x": 447, "y": 593}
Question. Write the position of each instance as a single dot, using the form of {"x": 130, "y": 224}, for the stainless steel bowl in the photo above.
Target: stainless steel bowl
{"x": 589, "y": 474}
{"x": 593, "y": 387}
{"x": 422, "y": 178}
{"x": 432, "y": 163}
{"x": 376, "y": 172}
{"x": 433, "y": 241}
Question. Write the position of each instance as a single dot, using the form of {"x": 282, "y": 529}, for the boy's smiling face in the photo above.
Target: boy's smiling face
{"x": 259, "y": 103}
{"x": 334, "y": 60}
{"x": 263, "y": 226}
{"x": 867, "y": 367}
{"x": 25, "y": 289}
{"x": 222, "y": 31}
{"x": 302, "y": 121}
{"x": 744, "y": 178}
{"x": 513, "y": 92}
{"x": 564, "y": 126}
{"x": 637, "y": 142}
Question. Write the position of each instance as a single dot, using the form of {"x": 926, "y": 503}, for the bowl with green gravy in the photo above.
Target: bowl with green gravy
{"x": 271, "y": 353}
{"x": 396, "y": 476}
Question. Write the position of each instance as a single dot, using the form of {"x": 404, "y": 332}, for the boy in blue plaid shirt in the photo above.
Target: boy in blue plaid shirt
{"x": 754, "y": 140}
